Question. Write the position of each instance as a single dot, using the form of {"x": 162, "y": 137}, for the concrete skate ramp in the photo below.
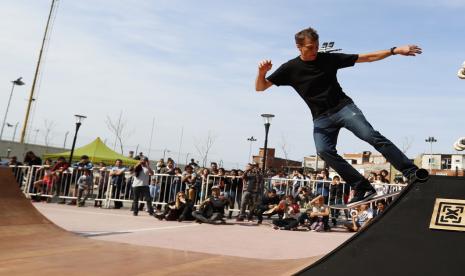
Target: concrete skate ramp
{"x": 401, "y": 242}
{"x": 31, "y": 244}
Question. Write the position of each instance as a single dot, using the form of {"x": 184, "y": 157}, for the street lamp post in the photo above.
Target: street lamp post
{"x": 251, "y": 139}
{"x": 79, "y": 119}
{"x": 267, "y": 119}
{"x": 35, "y": 136}
{"x": 431, "y": 140}
{"x": 15, "y": 82}
{"x": 164, "y": 153}
{"x": 187, "y": 158}
{"x": 66, "y": 137}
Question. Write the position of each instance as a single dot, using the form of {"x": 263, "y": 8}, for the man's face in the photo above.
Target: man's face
{"x": 118, "y": 163}
{"x": 381, "y": 206}
{"x": 309, "y": 49}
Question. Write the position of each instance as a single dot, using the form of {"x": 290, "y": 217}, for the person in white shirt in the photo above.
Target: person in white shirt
{"x": 140, "y": 185}
{"x": 361, "y": 219}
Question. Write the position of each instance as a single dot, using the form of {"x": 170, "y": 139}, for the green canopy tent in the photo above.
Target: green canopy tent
{"x": 97, "y": 152}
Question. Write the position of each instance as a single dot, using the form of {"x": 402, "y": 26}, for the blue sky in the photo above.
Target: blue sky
{"x": 192, "y": 65}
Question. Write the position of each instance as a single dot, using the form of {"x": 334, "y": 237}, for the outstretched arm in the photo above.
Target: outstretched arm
{"x": 407, "y": 50}
{"x": 261, "y": 83}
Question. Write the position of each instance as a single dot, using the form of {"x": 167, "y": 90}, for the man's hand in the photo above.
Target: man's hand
{"x": 261, "y": 83}
{"x": 408, "y": 50}
{"x": 264, "y": 66}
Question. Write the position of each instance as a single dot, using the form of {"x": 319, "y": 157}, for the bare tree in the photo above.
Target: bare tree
{"x": 203, "y": 147}
{"x": 406, "y": 143}
{"x": 285, "y": 150}
{"x": 118, "y": 128}
{"x": 49, "y": 125}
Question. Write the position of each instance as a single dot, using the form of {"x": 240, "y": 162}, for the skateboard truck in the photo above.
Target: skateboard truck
{"x": 420, "y": 175}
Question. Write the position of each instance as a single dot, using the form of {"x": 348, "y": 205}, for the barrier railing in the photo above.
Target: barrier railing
{"x": 111, "y": 189}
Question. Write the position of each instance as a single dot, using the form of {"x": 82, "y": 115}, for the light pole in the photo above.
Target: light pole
{"x": 251, "y": 139}
{"x": 66, "y": 137}
{"x": 187, "y": 158}
{"x": 79, "y": 119}
{"x": 14, "y": 131}
{"x": 431, "y": 140}
{"x": 164, "y": 153}
{"x": 35, "y": 137}
{"x": 267, "y": 119}
{"x": 18, "y": 82}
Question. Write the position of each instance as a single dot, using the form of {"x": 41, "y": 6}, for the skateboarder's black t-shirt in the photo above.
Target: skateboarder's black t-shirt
{"x": 316, "y": 81}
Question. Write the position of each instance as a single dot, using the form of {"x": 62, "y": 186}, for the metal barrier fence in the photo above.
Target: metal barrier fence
{"x": 108, "y": 188}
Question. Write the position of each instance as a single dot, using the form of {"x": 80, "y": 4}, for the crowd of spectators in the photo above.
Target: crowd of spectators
{"x": 208, "y": 195}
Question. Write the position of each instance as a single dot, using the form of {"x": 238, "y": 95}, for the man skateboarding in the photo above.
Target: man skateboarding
{"x": 313, "y": 75}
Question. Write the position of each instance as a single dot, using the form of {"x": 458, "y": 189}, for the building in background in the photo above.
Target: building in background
{"x": 274, "y": 163}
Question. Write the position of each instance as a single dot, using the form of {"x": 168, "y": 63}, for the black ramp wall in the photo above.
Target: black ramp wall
{"x": 401, "y": 242}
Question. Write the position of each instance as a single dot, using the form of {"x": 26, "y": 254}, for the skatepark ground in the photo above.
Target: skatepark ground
{"x": 66, "y": 239}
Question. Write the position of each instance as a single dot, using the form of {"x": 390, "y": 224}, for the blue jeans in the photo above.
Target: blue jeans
{"x": 325, "y": 132}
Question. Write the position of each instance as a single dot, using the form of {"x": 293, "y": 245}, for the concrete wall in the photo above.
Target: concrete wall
{"x": 9, "y": 148}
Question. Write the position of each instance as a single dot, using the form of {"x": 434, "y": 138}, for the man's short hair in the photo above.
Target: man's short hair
{"x": 309, "y": 33}
{"x": 84, "y": 157}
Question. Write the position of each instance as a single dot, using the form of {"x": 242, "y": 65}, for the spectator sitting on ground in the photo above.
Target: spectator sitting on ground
{"x": 84, "y": 187}
{"x": 362, "y": 217}
{"x": 380, "y": 207}
{"x": 319, "y": 215}
{"x": 30, "y": 159}
{"x": 179, "y": 210}
{"x": 291, "y": 214}
{"x": 212, "y": 209}
{"x": 44, "y": 186}
{"x": 303, "y": 196}
{"x": 269, "y": 201}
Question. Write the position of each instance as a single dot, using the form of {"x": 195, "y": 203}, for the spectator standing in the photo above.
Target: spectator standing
{"x": 117, "y": 181}
{"x": 58, "y": 170}
{"x": 140, "y": 185}
{"x": 253, "y": 181}
{"x": 84, "y": 184}
{"x": 30, "y": 159}
{"x": 78, "y": 169}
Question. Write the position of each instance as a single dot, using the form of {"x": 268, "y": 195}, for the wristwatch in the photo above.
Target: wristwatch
{"x": 392, "y": 51}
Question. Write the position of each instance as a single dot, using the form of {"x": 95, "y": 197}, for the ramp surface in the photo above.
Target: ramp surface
{"x": 31, "y": 244}
{"x": 400, "y": 242}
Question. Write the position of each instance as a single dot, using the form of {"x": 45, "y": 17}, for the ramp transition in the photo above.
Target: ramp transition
{"x": 401, "y": 242}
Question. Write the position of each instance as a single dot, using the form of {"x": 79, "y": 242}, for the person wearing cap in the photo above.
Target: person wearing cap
{"x": 253, "y": 185}
{"x": 212, "y": 209}
{"x": 140, "y": 185}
